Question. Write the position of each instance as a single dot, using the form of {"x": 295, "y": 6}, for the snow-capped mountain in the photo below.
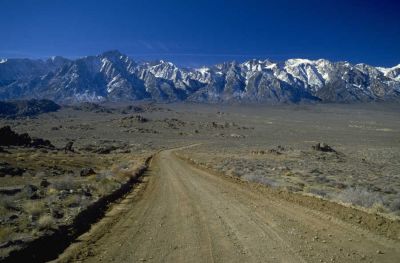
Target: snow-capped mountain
{"x": 114, "y": 76}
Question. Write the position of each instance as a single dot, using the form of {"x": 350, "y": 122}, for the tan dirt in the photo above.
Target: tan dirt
{"x": 184, "y": 214}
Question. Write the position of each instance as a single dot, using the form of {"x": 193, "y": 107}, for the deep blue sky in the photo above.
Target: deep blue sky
{"x": 193, "y": 33}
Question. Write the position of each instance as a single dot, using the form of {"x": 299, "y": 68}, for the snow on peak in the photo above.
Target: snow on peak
{"x": 257, "y": 65}
{"x": 253, "y": 79}
{"x": 88, "y": 96}
{"x": 298, "y": 61}
{"x": 203, "y": 70}
{"x": 314, "y": 73}
{"x": 164, "y": 69}
{"x": 382, "y": 69}
{"x": 163, "y": 62}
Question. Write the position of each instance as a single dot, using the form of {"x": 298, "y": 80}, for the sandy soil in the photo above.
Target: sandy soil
{"x": 180, "y": 213}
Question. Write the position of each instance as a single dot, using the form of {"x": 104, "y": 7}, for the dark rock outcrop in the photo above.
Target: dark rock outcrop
{"x": 10, "y": 138}
{"x": 26, "y": 108}
{"x": 7, "y": 169}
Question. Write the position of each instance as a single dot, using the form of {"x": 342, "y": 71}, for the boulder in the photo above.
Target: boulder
{"x": 323, "y": 147}
{"x": 44, "y": 183}
{"x": 87, "y": 172}
{"x": 140, "y": 118}
{"x": 31, "y": 191}
{"x": 38, "y": 142}
{"x": 68, "y": 147}
{"x": 57, "y": 213}
{"x": 106, "y": 149}
{"x": 235, "y": 135}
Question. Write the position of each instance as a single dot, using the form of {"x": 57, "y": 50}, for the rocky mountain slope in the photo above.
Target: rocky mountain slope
{"x": 113, "y": 76}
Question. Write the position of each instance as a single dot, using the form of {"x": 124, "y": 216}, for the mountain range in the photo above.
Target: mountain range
{"x": 113, "y": 76}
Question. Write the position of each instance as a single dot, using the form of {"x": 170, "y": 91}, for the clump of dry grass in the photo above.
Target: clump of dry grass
{"x": 6, "y": 203}
{"x": 46, "y": 222}
{"x": 106, "y": 186}
{"x": 76, "y": 201}
{"x": 315, "y": 191}
{"x": 125, "y": 170}
{"x": 395, "y": 206}
{"x": 34, "y": 208}
{"x": 378, "y": 208}
{"x": 360, "y": 197}
{"x": 261, "y": 179}
{"x": 5, "y": 233}
{"x": 103, "y": 175}
{"x": 67, "y": 183}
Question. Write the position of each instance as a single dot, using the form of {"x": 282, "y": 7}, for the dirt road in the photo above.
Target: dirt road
{"x": 183, "y": 214}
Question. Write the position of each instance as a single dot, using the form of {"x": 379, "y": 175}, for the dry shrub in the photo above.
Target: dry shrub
{"x": 315, "y": 191}
{"x": 34, "y": 208}
{"x": 76, "y": 201}
{"x": 124, "y": 171}
{"x": 360, "y": 197}
{"x": 106, "y": 186}
{"x": 378, "y": 208}
{"x": 5, "y": 233}
{"x": 7, "y": 203}
{"x": 46, "y": 222}
{"x": 51, "y": 191}
{"x": 104, "y": 175}
{"x": 258, "y": 178}
{"x": 67, "y": 183}
{"x": 395, "y": 205}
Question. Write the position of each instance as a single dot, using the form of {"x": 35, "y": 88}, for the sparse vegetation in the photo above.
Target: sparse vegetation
{"x": 360, "y": 197}
{"x": 261, "y": 179}
{"x": 282, "y": 171}
{"x": 67, "y": 183}
{"x": 275, "y": 150}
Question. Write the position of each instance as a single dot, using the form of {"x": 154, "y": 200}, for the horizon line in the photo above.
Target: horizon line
{"x": 260, "y": 57}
